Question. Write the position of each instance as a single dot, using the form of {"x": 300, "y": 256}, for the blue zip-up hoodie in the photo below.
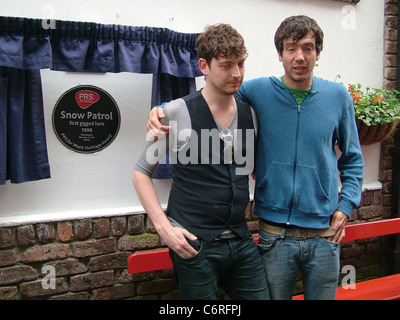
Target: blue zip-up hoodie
{"x": 297, "y": 166}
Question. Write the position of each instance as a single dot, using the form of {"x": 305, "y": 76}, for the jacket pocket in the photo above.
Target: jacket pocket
{"x": 276, "y": 186}
{"x": 310, "y": 196}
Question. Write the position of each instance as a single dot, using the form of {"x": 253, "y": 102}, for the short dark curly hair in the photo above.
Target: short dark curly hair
{"x": 298, "y": 27}
{"x": 220, "y": 39}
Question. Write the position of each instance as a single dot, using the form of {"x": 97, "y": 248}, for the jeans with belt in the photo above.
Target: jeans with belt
{"x": 318, "y": 259}
{"x": 235, "y": 264}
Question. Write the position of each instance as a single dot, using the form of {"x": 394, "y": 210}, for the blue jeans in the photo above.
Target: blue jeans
{"x": 318, "y": 259}
{"x": 235, "y": 264}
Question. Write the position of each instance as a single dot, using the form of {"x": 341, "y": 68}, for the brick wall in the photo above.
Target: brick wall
{"x": 89, "y": 257}
{"x": 390, "y": 43}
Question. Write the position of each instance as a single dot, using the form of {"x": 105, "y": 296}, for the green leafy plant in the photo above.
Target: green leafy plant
{"x": 375, "y": 106}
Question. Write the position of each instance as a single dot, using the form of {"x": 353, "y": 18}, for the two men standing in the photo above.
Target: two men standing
{"x": 300, "y": 119}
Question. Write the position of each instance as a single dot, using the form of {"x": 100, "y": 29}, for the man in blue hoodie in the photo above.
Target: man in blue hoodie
{"x": 301, "y": 119}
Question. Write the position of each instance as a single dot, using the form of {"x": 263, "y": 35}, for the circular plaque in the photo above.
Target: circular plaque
{"x": 86, "y": 119}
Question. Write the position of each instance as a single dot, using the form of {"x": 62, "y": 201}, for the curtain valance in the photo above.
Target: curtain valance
{"x": 86, "y": 46}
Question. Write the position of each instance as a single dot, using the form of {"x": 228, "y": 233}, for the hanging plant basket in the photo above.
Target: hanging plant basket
{"x": 374, "y": 133}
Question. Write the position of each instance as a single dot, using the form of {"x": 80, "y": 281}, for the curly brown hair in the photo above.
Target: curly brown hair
{"x": 220, "y": 39}
{"x": 298, "y": 27}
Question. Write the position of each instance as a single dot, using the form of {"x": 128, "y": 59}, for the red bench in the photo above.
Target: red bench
{"x": 384, "y": 288}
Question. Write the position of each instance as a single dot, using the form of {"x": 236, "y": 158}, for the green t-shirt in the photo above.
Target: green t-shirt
{"x": 299, "y": 95}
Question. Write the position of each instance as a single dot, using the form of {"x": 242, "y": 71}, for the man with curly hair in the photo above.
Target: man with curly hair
{"x": 210, "y": 131}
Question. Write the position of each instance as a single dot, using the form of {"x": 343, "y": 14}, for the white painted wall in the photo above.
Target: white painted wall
{"x": 100, "y": 183}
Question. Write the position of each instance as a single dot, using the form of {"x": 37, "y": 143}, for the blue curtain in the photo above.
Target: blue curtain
{"x": 23, "y": 150}
{"x": 26, "y": 47}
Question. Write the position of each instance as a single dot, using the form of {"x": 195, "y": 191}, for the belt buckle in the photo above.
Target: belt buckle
{"x": 300, "y": 234}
